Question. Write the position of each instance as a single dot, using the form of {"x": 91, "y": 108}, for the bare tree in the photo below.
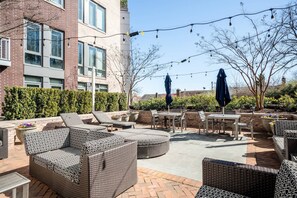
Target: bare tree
{"x": 130, "y": 68}
{"x": 256, "y": 57}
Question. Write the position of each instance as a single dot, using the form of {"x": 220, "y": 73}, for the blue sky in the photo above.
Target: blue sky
{"x": 179, "y": 44}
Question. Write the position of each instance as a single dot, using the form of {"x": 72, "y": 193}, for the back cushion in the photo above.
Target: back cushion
{"x": 38, "y": 142}
{"x": 71, "y": 119}
{"x": 286, "y": 180}
{"x": 78, "y": 137}
{"x": 101, "y": 116}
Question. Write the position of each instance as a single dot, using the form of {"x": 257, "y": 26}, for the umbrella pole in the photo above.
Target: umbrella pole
{"x": 223, "y": 110}
{"x": 168, "y": 108}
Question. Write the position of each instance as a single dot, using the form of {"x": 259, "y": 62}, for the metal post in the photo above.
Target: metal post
{"x": 93, "y": 88}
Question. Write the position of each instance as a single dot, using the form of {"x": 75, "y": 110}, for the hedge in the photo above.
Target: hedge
{"x": 26, "y": 103}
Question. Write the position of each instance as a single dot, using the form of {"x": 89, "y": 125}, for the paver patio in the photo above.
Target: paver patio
{"x": 151, "y": 183}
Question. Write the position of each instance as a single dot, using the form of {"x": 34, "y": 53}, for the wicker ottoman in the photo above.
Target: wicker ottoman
{"x": 150, "y": 143}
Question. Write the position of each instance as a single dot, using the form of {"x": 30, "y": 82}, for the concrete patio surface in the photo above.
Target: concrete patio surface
{"x": 188, "y": 149}
{"x": 155, "y": 183}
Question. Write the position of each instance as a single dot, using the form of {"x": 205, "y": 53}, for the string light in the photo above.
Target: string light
{"x": 191, "y": 30}
{"x": 210, "y": 53}
{"x": 268, "y": 35}
{"x": 157, "y": 36}
{"x": 176, "y": 76}
{"x": 230, "y": 23}
{"x": 68, "y": 44}
{"x": 94, "y": 40}
{"x": 21, "y": 43}
{"x": 184, "y": 60}
{"x": 272, "y": 16}
{"x": 124, "y": 40}
{"x": 191, "y": 75}
{"x": 206, "y": 73}
{"x": 189, "y": 60}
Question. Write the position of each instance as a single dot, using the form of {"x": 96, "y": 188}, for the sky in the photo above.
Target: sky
{"x": 180, "y": 44}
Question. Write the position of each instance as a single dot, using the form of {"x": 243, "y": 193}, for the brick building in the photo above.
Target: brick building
{"x": 55, "y": 43}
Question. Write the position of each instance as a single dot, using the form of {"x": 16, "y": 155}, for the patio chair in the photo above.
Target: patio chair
{"x": 246, "y": 125}
{"x": 181, "y": 121}
{"x": 203, "y": 120}
{"x": 3, "y": 143}
{"x": 285, "y": 139}
{"x": 156, "y": 119}
{"x": 72, "y": 120}
{"x": 230, "y": 179}
{"x": 102, "y": 118}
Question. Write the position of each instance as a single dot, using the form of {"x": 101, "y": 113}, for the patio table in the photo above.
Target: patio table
{"x": 171, "y": 115}
{"x": 226, "y": 117}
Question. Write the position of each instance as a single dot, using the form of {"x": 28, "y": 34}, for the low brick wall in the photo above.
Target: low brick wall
{"x": 193, "y": 119}
{"x": 43, "y": 124}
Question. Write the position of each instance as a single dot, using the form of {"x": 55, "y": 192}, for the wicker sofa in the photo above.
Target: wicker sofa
{"x": 3, "y": 143}
{"x": 285, "y": 138}
{"x": 82, "y": 163}
{"x": 229, "y": 179}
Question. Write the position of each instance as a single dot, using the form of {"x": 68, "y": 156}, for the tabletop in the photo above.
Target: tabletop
{"x": 169, "y": 114}
{"x": 12, "y": 180}
{"x": 224, "y": 116}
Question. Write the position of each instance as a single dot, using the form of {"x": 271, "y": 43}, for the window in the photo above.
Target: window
{"x": 101, "y": 88}
{"x": 60, "y": 3}
{"x": 33, "y": 44}
{"x": 81, "y": 10}
{"x": 80, "y": 58}
{"x": 56, "y": 59}
{"x": 97, "y": 16}
{"x": 82, "y": 86}
{"x": 4, "y": 49}
{"x": 33, "y": 81}
{"x": 56, "y": 83}
{"x": 97, "y": 59}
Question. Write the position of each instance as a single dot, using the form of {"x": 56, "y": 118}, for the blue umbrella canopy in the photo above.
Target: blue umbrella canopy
{"x": 168, "y": 90}
{"x": 222, "y": 91}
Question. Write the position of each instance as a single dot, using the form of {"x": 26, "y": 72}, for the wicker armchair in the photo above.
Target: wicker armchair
{"x": 230, "y": 179}
{"x": 82, "y": 163}
{"x": 285, "y": 138}
{"x": 3, "y": 143}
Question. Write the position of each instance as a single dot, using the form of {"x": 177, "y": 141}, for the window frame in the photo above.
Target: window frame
{"x": 97, "y": 87}
{"x": 101, "y": 8}
{"x": 7, "y": 41}
{"x": 83, "y": 11}
{"x": 79, "y": 66}
{"x": 98, "y": 49}
{"x": 26, "y": 51}
{"x": 85, "y": 86}
{"x": 39, "y": 84}
{"x": 62, "y": 5}
{"x": 52, "y": 85}
{"x": 62, "y": 49}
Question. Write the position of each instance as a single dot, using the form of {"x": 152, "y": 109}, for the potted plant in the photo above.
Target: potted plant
{"x": 23, "y": 129}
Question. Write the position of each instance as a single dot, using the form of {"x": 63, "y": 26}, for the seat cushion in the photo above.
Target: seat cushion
{"x": 286, "y": 180}
{"x": 69, "y": 168}
{"x": 212, "y": 192}
{"x": 279, "y": 143}
{"x": 49, "y": 158}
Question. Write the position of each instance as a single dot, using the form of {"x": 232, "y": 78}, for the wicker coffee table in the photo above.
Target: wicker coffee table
{"x": 150, "y": 143}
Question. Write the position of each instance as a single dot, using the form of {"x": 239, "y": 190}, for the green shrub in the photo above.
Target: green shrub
{"x": 122, "y": 101}
{"x": 112, "y": 102}
{"x": 26, "y": 103}
{"x": 287, "y": 103}
{"x": 205, "y": 102}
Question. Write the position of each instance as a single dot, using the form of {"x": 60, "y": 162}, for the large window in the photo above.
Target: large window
{"x": 56, "y": 83}
{"x": 60, "y": 3}
{"x": 101, "y": 88}
{"x": 33, "y": 81}
{"x": 33, "y": 44}
{"x": 81, "y": 10}
{"x": 97, "y": 59}
{"x": 82, "y": 86}
{"x": 57, "y": 50}
{"x": 80, "y": 58}
{"x": 97, "y": 16}
{"x": 4, "y": 49}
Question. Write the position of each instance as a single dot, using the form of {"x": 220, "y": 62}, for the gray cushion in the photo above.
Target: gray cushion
{"x": 1, "y": 143}
{"x": 78, "y": 137}
{"x": 89, "y": 127}
{"x": 103, "y": 118}
{"x": 71, "y": 119}
{"x": 39, "y": 142}
{"x": 49, "y": 158}
{"x": 69, "y": 168}
{"x": 286, "y": 180}
{"x": 212, "y": 192}
{"x": 279, "y": 143}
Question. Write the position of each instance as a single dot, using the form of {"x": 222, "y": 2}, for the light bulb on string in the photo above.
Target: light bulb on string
{"x": 124, "y": 40}
{"x": 236, "y": 44}
{"x": 191, "y": 75}
{"x": 210, "y": 53}
{"x": 205, "y": 73}
{"x": 272, "y": 16}
{"x": 68, "y": 44}
{"x": 176, "y": 76}
{"x": 191, "y": 30}
{"x": 230, "y": 23}
{"x": 94, "y": 40}
{"x": 157, "y": 35}
{"x": 21, "y": 43}
{"x": 189, "y": 60}
{"x": 171, "y": 64}
{"x": 268, "y": 35}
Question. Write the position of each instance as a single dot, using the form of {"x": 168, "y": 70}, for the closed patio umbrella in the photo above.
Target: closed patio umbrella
{"x": 168, "y": 91}
{"x": 222, "y": 91}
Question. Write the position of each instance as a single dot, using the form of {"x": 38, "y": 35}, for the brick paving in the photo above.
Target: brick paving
{"x": 151, "y": 183}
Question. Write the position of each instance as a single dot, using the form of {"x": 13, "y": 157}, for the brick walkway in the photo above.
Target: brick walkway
{"x": 150, "y": 183}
